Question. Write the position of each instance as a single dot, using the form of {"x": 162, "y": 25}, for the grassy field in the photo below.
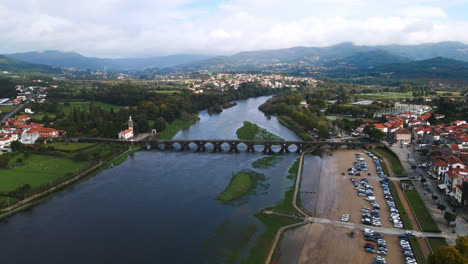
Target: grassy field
{"x": 436, "y": 242}
{"x": 387, "y": 95}
{"x": 70, "y": 146}
{"x": 177, "y": 125}
{"x": 38, "y": 170}
{"x": 41, "y": 116}
{"x": 266, "y": 162}
{"x": 421, "y": 212}
{"x": 6, "y": 109}
{"x": 251, "y": 131}
{"x": 85, "y": 104}
{"x": 291, "y": 125}
{"x": 241, "y": 183}
{"x": 394, "y": 161}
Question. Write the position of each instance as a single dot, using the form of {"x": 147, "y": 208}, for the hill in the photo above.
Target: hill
{"x": 435, "y": 68}
{"x": 13, "y": 65}
{"x": 367, "y": 59}
{"x": 75, "y": 60}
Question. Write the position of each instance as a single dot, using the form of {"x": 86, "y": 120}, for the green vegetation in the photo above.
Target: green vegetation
{"x": 421, "y": 212}
{"x": 436, "y": 243}
{"x": 259, "y": 252}
{"x": 393, "y": 159}
{"x": 70, "y": 146}
{"x": 417, "y": 250}
{"x": 38, "y": 170}
{"x": 68, "y": 106}
{"x": 241, "y": 183}
{"x": 457, "y": 254}
{"x": 251, "y": 131}
{"x": 6, "y": 109}
{"x": 245, "y": 235}
{"x": 285, "y": 206}
{"x": 177, "y": 125}
{"x": 266, "y": 162}
{"x": 403, "y": 214}
{"x": 294, "y": 127}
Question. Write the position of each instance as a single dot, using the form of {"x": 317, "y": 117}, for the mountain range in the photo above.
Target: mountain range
{"x": 12, "y": 65}
{"x": 344, "y": 57}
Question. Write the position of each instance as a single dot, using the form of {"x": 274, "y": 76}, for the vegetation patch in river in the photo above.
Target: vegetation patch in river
{"x": 242, "y": 183}
{"x": 171, "y": 130}
{"x": 259, "y": 252}
{"x": 228, "y": 242}
{"x": 266, "y": 162}
{"x": 251, "y": 131}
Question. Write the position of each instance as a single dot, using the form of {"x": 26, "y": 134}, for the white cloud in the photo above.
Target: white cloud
{"x": 120, "y": 28}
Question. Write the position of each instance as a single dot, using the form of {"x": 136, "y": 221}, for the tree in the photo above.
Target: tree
{"x": 404, "y": 88}
{"x": 450, "y": 217}
{"x": 160, "y": 124}
{"x": 462, "y": 245}
{"x": 448, "y": 254}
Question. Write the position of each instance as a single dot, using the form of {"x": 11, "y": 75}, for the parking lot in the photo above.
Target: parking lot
{"x": 334, "y": 195}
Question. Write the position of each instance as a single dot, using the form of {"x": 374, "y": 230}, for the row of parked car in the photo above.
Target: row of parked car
{"x": 378, "y": 166}
{"x": 375, "y": 244}
{"x": 407, "y": 251}
{"x": 394, "y": 213}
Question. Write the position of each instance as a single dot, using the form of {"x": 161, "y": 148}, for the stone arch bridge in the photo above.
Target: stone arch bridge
{"x": 231, "y": 145}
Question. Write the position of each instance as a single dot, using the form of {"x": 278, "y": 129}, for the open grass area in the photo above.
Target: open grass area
{"x": 41, "y": 116}
{"x": 266, "y": 162}
{"x": 251, "y": 131}
{"x": 38, "y": 170}
{"x": 6, "y": 109}
{"x": 70, "y": 146}
{"x": 291, "y": 125}
{"x": 171, "y": 130}
{"x": 241, "y": 183}
{"x": 421, "y": 212}
{"x": 436, "y": 242}
{"x": 259, "y": 252}
{"x": 85, "y": 104}
{"x": 387, "y": 95}
{"x": 394, "y": 161}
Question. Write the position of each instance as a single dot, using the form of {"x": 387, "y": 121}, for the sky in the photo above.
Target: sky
{"x": 142, "y": 28}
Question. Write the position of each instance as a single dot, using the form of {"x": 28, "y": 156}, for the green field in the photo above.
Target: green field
{"x": 436, "y": 242}
{"x": 41, "y": 116}
{"x": 171, "y": 130}
{"x": 417, "y": 250}
{"x": 6, "y": 109}
{"x": 251, "y": 131}
{"x": 421, "y": 212}
{"x": 266, "y": 162}
{"x": 291, "y": 125}
{"x": 394, "y": 161}
{"x": 67, "y": 108}
{"x": 241, "y": 183}
{"x": 403, "y": 214}
{"x": 70, "y": 146}
{"x": 38, "y": 170}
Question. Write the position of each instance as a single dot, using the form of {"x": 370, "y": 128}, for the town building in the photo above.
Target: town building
{"x": 128, "y": 133}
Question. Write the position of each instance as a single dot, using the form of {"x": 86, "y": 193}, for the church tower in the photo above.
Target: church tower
{"x": 130, "y": 123}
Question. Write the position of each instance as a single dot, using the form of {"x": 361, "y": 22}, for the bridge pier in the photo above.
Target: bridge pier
{"x": 284, "y": 148}
{"x": 233, "y": 147}
{"x": 267, "y": 149}
{"x": 250, "y": 148}
{"x": 217, "y": 147}
{"x": 299, "y": 148}
{"x": 200, "y": 147}
{"x": 168, "y": 146}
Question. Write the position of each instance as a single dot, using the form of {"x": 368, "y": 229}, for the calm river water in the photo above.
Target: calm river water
{"x": 156, "y": 207}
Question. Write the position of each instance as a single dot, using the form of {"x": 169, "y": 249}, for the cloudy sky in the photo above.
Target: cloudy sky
{"x": 137, "y": 28}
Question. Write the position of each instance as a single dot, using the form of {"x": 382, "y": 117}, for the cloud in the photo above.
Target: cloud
{"x": 121, "y": 28}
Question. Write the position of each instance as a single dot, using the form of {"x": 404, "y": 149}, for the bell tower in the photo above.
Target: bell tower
{"x": 130, "y": 123}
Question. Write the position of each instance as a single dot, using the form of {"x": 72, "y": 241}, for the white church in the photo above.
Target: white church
{"x": 126, "y": 134}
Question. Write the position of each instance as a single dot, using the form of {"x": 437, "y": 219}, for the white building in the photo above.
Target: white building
{"x": 128, "y": 133}
{"x": 30, "y": 136}
{"x": 28, "y": 111}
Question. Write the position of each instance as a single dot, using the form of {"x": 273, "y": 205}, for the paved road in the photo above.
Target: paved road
{"x": 11, "y": 113}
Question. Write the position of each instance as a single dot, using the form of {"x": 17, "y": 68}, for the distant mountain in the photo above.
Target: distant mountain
{"x": 13, "y": 65}
{"x": 344, "y": 53}
{"x": 435, "y": 68}
{"x": 75, "y": 60}
{"x": 367, "y": 59}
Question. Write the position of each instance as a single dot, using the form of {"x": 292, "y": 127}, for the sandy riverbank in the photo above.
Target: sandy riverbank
{"x": 328, "y": 194}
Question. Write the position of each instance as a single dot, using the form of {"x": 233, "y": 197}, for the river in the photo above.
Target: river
{"x": 156, "y": 207}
